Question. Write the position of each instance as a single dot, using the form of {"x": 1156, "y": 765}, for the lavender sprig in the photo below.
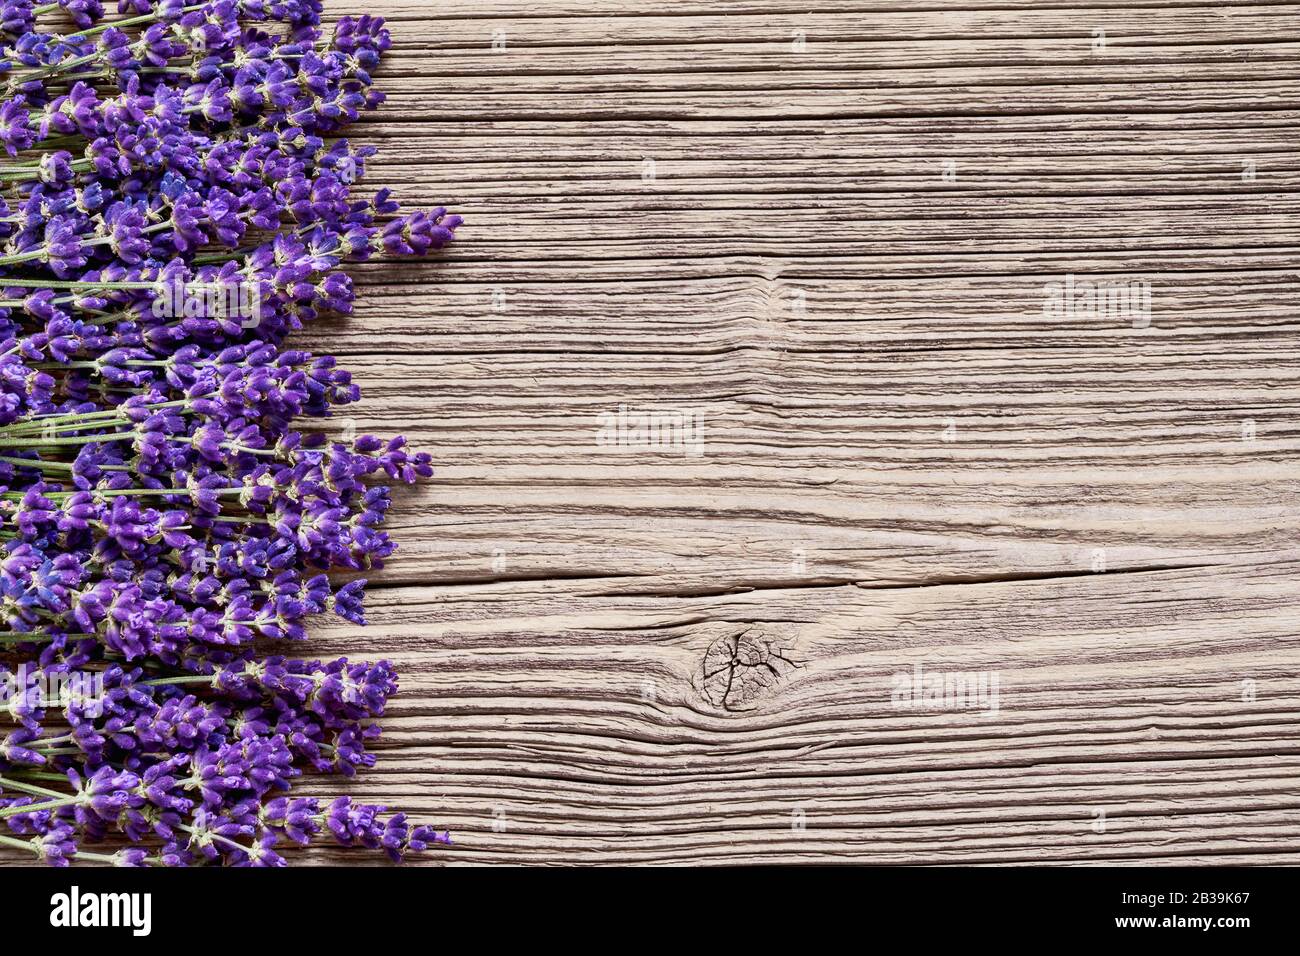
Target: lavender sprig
{"x": 162, "y": 514}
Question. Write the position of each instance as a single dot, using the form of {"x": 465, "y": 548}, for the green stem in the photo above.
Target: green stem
{"x": 82, "y": 440}
{"x": 119, "y": 492}
{"x": 32, "y": 789}
{"x": 186, "y": 679}
{"x": 42, "y": 775}
{"x": 216, "y": 836}
{"x": 43, "y": 254}
{"x": 54, "y": 422}
{"x": 28, "y": 845}
{"x": 65, "y": 284}
{"x": 37, "y": 463}
{"x": 19, "y": 174}
{"x": 129, "y": 22}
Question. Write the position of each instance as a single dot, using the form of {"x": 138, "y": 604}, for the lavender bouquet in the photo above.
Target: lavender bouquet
{"x": 175, "y": 202}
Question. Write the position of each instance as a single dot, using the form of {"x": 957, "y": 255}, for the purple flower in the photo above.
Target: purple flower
{"x": 15, "y": 127}
{"x": 57, "y": 846}
{"x": 167, "y": 506}
{"x": 83, "y": 12}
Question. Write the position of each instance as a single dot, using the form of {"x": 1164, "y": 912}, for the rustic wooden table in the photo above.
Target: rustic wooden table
{"x": 752, "y": 389}
{"x": 763, "y": 381}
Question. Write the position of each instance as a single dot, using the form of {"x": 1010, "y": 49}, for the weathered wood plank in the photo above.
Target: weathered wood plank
{"x": 575, "y": 726}
{"x": 1124, "y": 24}
{"x": 835, "y": 309}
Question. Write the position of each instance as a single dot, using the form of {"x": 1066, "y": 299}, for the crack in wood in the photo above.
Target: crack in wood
{"x": 740, "y": 669}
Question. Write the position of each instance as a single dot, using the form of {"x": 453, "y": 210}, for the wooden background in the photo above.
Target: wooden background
{"x": 903, "y": 460}
{"x": 645, "y": 655}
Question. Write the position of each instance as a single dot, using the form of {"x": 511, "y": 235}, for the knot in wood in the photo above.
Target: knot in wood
{"x": 741, "y": 668}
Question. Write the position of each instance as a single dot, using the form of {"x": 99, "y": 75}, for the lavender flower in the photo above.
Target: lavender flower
{"x": 162, "y": 511}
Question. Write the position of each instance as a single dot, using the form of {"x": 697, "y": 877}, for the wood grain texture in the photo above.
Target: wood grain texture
{"x": 687, "y": 653}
